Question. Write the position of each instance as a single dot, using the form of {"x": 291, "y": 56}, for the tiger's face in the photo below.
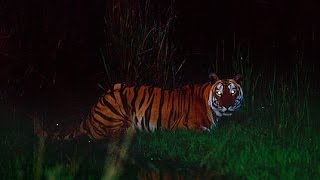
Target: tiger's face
{"x": 225, "y": 95}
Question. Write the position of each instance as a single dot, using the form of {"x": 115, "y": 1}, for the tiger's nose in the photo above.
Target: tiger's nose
{"x": 227, "y": 106}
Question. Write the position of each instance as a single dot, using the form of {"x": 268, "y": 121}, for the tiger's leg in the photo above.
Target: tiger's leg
{"x": 197, "y": 120}
{"x": 104, "y": 126}
{"x": 200, "y": 128}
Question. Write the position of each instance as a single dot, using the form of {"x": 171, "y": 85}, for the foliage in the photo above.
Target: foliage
{"x": 140, "y": 46}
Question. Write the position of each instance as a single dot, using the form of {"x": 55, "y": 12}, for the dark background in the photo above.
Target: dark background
{"x": 49, "y": 49}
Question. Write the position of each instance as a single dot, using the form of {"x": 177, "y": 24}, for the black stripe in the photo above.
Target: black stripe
{"x": 143, "y": 98}
{"x": 215, "y": 104}
{"x": 108, "y": 119}
{"x": 171, "y": 112}
{"x": 112, "y": 126}
{"x": 111, "y": 94}
{"x": 135, "y": 91}
{"x": 179, "y": 100}
{"x": 160, "y": 109}
{"x": 93, "y": 119}
{"x": 175, "y": 119}
{"x": 183, "y": 100}
{"x": 148, "y": 112}
{"x": 124, "y": 102}
{"x": 150, "y": 90}
{"x": 104, "y": 116}
{"x": 142, "y": 124}
{"x": 110, "y": 106}
{"x": 95, "y": 129}
{"x": 188, "y": 110}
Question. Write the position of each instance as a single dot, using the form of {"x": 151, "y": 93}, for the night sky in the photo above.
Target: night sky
{"x": 47, "y": 45}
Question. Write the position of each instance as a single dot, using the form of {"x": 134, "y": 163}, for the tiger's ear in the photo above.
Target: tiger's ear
{"x": 238, "y": 78}
{"x": 213, "y": 77}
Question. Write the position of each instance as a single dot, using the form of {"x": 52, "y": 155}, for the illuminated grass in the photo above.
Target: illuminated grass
{"x": 279, "y": 139}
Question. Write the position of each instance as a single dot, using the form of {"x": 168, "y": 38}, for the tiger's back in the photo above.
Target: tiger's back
{"x": 147, "y": 108}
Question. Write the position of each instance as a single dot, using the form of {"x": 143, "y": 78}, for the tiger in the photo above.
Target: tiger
{"x": 147, "y": 108}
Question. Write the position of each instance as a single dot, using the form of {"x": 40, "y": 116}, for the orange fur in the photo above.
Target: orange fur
{"x": 146, "y": 108}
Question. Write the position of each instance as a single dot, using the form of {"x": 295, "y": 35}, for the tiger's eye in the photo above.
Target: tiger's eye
{"x": 219, "y": 93}
{"x": 233, "y": 91}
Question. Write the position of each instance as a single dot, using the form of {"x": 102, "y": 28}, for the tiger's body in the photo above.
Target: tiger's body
{"x": 146, "y": 108}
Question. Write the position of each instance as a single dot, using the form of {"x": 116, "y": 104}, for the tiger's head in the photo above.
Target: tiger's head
{"x": 225, "y": 95}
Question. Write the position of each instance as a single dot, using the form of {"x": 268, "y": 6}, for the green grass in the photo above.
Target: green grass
{"x": 234, "y": 150}
{"x": 237, "y": 151}
{"x": 275, "y": 135}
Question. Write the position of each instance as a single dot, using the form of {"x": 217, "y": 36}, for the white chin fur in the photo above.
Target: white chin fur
{"x": 226, "y": 114}
{"x": 218, "y": 113}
